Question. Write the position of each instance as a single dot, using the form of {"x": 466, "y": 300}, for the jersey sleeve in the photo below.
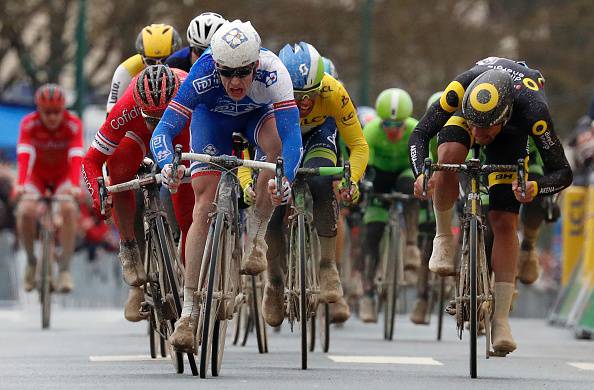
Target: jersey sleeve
{"x": 350, "y": 130}
{"x": 175, "y": 117}
{"x": 436, "y": 117}
{"x": 121, "y": 79}
{"x": 107, "y": 139}
{"x": 558, "y": 172}
{"x": 370, "y": 134}
{"x": 25, "y": 153}
{"x": 287, "y": 122}
{"x": 75, "y": 152}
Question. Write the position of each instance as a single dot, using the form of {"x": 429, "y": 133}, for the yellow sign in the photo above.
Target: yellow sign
{"x": 573, "y": 230}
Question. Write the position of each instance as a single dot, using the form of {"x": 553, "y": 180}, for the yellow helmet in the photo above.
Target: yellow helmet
{"x": 158, "y": 41}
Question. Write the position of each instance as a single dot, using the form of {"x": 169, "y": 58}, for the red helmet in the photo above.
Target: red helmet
{"x": 50, "y": 96}
{"x": 155, "y": 86}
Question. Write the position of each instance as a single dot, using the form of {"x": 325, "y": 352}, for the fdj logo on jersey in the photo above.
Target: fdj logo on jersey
{"x": 234, "y": 38}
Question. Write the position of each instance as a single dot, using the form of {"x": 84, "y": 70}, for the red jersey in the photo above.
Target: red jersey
{"x": 124, "y": 120}
{"x": 50, "y": 155}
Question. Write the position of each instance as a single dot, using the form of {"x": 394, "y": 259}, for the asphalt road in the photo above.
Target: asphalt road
{"x": 98, "y": 349}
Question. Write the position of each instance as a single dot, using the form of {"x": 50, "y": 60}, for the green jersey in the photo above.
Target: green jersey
{"x": 386, "y": 155}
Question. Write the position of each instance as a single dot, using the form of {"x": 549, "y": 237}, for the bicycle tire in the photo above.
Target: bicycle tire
{"x": 151, "y": 332}
{"x": 311, "y": 333}
{"x": 169, "y": 253}
{"x": 473, "y": 295}
{"x": 218, "y": 346}
{"x": 324, "y": 315}
{"x": 260, "y": 326}
{"x": 395, "y": 255}
{"x": 441, "y": 308}
{"x": 45, "y": 280}
{"x": 302, "y": 288}
{"x": 208, "y": 314}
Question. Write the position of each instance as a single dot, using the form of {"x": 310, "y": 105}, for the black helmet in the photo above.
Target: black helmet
{"x": 488, "y": 100}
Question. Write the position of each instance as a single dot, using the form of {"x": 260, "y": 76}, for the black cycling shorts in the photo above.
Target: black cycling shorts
{"x": 505, "y": 149}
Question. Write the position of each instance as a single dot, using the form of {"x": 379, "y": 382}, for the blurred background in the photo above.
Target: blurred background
{"x": 375, "y": 44}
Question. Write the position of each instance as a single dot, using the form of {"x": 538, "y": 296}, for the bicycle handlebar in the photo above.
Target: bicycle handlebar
{"x": 229, "y": 162}
{"x": 54, "y": 197}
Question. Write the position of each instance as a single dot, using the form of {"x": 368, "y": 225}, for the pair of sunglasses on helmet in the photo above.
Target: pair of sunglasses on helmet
{"x": 309, "y": 94}
{"x": 241, "y": 72}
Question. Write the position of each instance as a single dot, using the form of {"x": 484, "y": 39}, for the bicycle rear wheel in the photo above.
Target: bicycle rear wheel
{"x": 45, "y": 279}
{"x": 473, "y": 295}
{"x": 260, "y": 325}
{"x": 167, "y": 250}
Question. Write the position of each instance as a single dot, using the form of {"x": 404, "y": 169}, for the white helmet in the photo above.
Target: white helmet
{"x": 203, "y": 27}
{"x": 235, "y": 44}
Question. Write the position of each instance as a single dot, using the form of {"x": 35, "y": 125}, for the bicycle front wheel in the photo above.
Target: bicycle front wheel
{"x": 45, "y": 279}
{"x": 473, "y": 294}
{"x": 302, "y": 288}
{"x": 395, "y": 250}
{"x": 208, "y": 312}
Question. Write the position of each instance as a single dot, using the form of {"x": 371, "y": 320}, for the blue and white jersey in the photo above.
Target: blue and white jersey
{"x": 202, "y": 89}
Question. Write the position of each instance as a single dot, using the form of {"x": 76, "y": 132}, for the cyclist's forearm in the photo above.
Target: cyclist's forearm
{"x": 168, "y": 128}
{"x": 25, "y": 160}
{"x": 287, "y": 121}
{"x": 418, "y": 149}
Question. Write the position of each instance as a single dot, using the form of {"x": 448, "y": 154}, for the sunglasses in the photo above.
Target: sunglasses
{"x": 241, "y": 73}
{"x": 197, "y": 50}
{"x": 150, "y": 120}
{"x": 153, "y": 61}
{"x": 51, "y": 112}
{"x": 309, "y": 94}
{"x": 392, "y": 123}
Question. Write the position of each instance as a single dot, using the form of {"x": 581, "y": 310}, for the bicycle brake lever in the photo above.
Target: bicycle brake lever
{"x": 279, "y": 172}
{"x": 521, "y": 177}
{"x": 427, "y": 172}
{"x": 102, "y": 194}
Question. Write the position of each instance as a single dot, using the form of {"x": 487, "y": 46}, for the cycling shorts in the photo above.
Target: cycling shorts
{"x": 212, "y": 133}
{"x": 505, "y": 149}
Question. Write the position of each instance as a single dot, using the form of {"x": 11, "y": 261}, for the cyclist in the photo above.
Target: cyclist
{"x": 235, "y": 86}
{"x": 49, "y": 153}
{"x": 122, "y": 142}
{"x": 200, "y": 31}
{"x": 154, "y": 44}
{"x": 324, "y": 105}
{"x": 387, "y": 136}
{"x": 329, "y": 67}
{"x": 497, "y": 103}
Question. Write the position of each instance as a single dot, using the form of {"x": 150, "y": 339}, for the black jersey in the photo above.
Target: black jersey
{"x": 530, "y": 116}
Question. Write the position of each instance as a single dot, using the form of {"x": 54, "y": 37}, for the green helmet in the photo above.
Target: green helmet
{"x": 433, "y": 98}
{"x": 394, "y": 104}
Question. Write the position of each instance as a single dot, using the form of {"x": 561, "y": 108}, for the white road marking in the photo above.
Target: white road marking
{"x": 124, "y": 358}
{"x": 424, "y": 361}
{"x": 582, "y": 365}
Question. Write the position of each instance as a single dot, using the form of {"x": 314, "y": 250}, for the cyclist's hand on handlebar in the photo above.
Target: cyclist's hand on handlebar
{"x": 107, "y": 207}
{"x": 349, "y": 192}
{"x": 249, "y": 195}
{"x": 171, "y": 181}
{"x": 529, "y": 194}
{"x": 418, "y": 187}
{"x": 285, "y": 192}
